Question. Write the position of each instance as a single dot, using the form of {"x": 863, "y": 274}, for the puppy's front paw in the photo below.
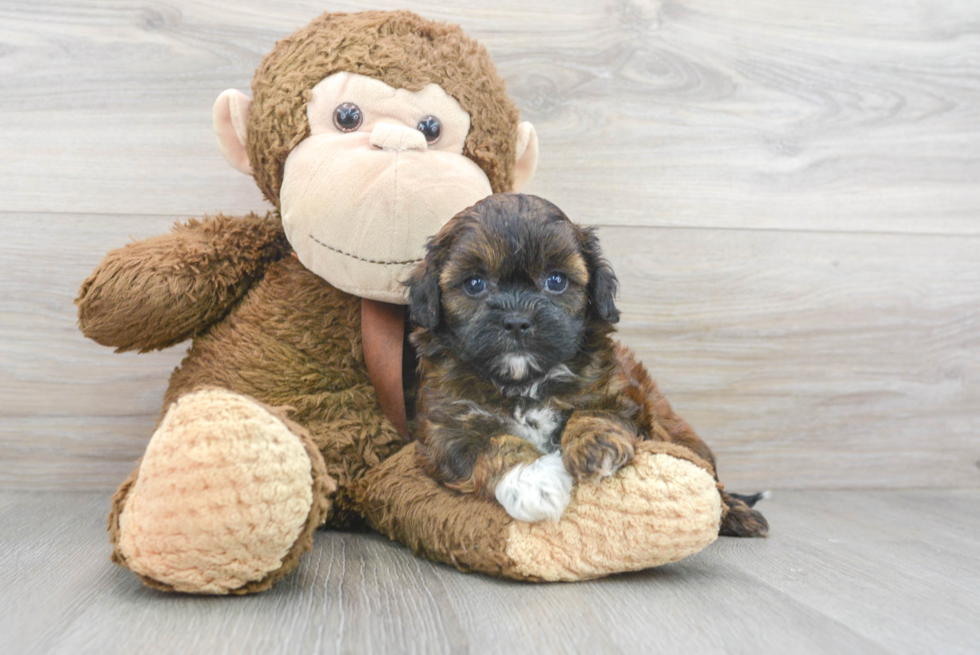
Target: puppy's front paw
{"x": 598, "y": 449}
{"x": 536, "y": 491}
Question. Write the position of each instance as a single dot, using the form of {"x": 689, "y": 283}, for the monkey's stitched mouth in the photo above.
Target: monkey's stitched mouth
{"x": 365, "y": 259}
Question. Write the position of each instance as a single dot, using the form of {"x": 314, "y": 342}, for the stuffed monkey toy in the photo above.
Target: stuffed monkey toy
{"x": 367, "y": 132}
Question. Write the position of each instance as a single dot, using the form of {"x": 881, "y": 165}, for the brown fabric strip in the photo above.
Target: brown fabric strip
{"x": 382, "y": 335}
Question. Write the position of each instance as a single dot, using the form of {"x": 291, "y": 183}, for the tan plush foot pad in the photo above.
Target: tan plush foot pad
{"x": 661, "y": 508}
{"x": 225, "y": 500}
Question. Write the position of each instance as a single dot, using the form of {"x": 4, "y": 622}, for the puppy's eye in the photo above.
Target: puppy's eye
{"x": 431, "y": 128}
{"x": 556, "y": 283}
{"x": 347, "y": 117}
{"x": 474, "y": 286}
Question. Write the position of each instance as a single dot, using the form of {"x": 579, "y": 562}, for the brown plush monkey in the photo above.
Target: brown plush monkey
{"x": 367, "y": 132}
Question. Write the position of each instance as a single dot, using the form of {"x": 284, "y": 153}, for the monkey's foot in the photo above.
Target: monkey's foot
{"x": 225, "y": 500}
{"x": 663, "y": 506}
{"x": 658, "y": 510}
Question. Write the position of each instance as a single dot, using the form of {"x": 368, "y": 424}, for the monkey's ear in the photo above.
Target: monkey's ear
{"x": 424, "y": 301}
{"x": 527, "y": 155}
{"x": 230, "y": 115}
{"x": 602, "y": 280}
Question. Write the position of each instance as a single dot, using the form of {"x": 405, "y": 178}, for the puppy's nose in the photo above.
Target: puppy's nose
{"x": 388, "y": 136}
{"x": 517, "y": 324}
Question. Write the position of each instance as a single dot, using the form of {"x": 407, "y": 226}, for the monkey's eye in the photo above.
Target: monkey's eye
{"x": 556, "y": 283}
{"x": 431, "y": 128}
{"x": 347, "y": 117}
{"x": 474, "y": 286}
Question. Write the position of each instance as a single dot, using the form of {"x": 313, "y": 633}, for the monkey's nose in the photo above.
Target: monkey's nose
{"x": 517, "y": 324}
{"x": 397, "y": 138}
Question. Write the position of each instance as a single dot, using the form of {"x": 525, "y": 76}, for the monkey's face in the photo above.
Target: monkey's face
{"x": 381, "y": 171}
{"x": 368, "y": 131}
{"x": 517, "y": 286}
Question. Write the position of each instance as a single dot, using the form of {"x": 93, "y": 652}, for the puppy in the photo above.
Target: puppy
{"x": 522, "y": 392}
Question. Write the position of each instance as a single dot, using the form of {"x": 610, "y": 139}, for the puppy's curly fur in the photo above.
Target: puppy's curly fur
{"x": 522, "y": 389}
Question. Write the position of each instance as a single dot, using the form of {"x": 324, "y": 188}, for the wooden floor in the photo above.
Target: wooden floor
{"x": 844, "y": 572}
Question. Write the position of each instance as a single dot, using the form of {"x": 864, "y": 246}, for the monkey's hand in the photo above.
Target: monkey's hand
{"x": 165, "y": 289}
{"x": 596, "y": 444}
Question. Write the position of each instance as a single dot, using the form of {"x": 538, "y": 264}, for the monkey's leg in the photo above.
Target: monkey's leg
{"x": 225, "y": 499}
{"x": 739, "y": 519}
{"x": 661, "y": 507}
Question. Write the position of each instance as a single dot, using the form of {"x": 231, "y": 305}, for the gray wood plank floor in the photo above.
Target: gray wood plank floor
{"x": 844, "y": 572}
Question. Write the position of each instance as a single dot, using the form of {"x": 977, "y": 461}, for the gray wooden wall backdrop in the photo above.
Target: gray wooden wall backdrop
{"x": 789, "y": 191}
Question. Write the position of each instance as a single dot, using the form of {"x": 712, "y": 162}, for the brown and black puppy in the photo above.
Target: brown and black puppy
{"x": 522, "y": 391}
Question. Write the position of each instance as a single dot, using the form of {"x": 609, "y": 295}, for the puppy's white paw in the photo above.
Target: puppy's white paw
{"x": 536, "y": 491}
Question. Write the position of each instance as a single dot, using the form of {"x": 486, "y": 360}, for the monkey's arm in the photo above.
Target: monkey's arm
{"x": 160, "y": 291}
{"x": 738, "y": 518}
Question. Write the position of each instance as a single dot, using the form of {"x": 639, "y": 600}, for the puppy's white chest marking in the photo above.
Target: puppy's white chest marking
{"x": 537, "y": 425}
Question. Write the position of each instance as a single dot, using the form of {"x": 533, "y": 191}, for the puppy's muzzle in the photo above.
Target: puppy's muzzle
{"x": 517, "y": 324}
{"x": 515, "y": 313}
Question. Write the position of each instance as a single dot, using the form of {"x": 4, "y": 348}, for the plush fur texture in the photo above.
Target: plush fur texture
{"x": 166, "y": 289}
{"x": 295, "y": 342}
{"x": 661, "y": 508}
{"x": 400, "y": 189}
{"x": 224, "y": 491}
{"x": 402, "y": 50}
{"x": 207, "y": 510}
{"x": 658, "y": 510}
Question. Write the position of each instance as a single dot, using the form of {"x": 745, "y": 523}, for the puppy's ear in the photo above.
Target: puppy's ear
{"x": 602, "y": 281}
{"x": 424, "y": 303}
{"x": 424, "y": 296}
{"x": 604, "y": 293}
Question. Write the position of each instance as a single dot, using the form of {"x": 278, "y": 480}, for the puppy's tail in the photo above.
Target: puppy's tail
{"x": 751, "y": 499}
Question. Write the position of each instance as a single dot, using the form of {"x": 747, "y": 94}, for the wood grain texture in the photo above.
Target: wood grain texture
{"x": 806, "y": 360}
{"x": 790, "y": 193}
{"x": 812, "y": 360}
{"x": 48, "y": 368}
{"x": 72, "y": 413}
{"x": 811, "y": 114}
{"x": 844, "y": 572}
